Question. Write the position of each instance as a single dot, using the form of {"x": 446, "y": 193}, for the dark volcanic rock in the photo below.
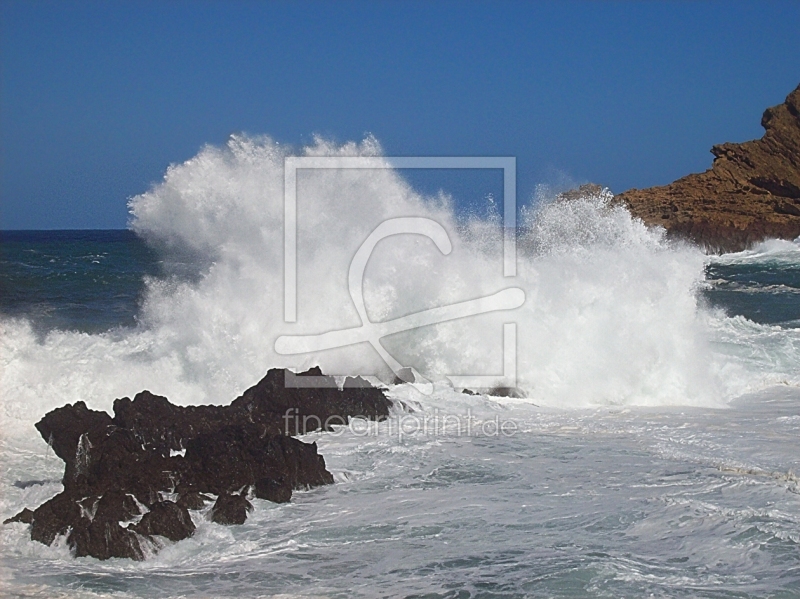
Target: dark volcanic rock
{"x": 278, "y": 491}
{"x": 751, "y": 192}
{"x": 302, "y": 406}
{"x": 69, "y": 431}
{"x": 115, "y": 464}
{"x": 116, "y": 506}
{"x": 116, "y": 460}
{"x": 25, "y": 516}
{"x": 54, "y": 517}
{"x": 238, "y": 456}
{"x": 193, "y": 500}
{"x": 92, "y": 524}
{"x": 507, "y": 392}
{"x": 167, "y": 519}
{"x": 231, "y": 509}
{"x": 161, "y": 426}
{"x": 104, "y": 539}
{"x": 282, "y": 402}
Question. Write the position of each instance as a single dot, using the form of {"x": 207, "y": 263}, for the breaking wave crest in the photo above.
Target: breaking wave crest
{"x": 611, "y": 314}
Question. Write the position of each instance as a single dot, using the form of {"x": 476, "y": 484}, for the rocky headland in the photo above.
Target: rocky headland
{"x": 131, "y": 480}
{"x": 750, "y": 193}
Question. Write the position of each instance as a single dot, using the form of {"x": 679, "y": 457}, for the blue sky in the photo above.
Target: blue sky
{"x": 98, "y": 98}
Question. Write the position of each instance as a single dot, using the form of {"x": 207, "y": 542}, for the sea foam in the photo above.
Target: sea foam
{"x": 611, "y": 314}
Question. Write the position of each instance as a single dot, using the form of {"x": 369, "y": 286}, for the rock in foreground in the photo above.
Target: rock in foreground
{"x": 752, "y": 191}
{"x": 231, "y": 509}
{"x": 154, "y": 461}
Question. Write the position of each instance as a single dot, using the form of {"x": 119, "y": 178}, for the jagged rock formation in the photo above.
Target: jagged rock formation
{"x": 230, "y": 509}
{"x": 751, "y": 192}
{"x": 154, "y": 461}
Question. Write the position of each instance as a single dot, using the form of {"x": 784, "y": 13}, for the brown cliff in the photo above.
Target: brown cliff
{"x": 751, "y": 192}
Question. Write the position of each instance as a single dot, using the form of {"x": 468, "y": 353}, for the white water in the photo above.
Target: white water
{"x": 610, "y": 318}
{"x": 640, "y": 462}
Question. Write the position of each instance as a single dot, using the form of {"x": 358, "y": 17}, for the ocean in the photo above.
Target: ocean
{"x": 655, "y": 453}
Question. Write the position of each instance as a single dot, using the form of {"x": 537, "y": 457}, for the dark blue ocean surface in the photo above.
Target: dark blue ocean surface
{"x": 766, "y": 292}
{"x": 93, "y": 281}
{"x": 88, "y": 281}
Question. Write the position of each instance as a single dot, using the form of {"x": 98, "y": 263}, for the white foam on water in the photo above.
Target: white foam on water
{"x": 780, "y": 251}
{"x": 611, "y": 314}
{"x": 621, "y": 465}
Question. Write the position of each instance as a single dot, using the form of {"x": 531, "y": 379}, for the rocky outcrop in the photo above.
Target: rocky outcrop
{"x": 25, "y": 516}
{"x": 166, "y": 519}
{"x": 751, "y": 192}
{"x": 154, "y": 461}
{"x": 230, "y": 509}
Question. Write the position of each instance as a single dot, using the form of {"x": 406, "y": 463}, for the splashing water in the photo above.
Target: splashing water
{"x": 591, "y": 497}
{"x": 611, "y": 315}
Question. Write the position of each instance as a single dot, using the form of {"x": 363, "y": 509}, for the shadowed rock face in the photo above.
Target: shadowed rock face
{"x": 166, "y": 519}
{"x": 152, "y": 448}
{"x": 751, "y": 192}
{"x": 231, "y": 509}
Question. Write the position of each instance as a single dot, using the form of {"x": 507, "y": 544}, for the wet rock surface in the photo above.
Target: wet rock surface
{"x": 151, "y": 452}
{"x": 166, "y": 519}
{"x": 231, "y": 509}
{"x": 104, "y": 539}
{"x": 192, "y": 500}
{"x": 25, "y": 516}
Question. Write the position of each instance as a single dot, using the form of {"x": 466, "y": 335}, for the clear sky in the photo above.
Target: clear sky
{"x": 98, "y": 98}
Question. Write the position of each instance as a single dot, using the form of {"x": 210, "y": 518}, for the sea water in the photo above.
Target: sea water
{"x": 655, "y": 451}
